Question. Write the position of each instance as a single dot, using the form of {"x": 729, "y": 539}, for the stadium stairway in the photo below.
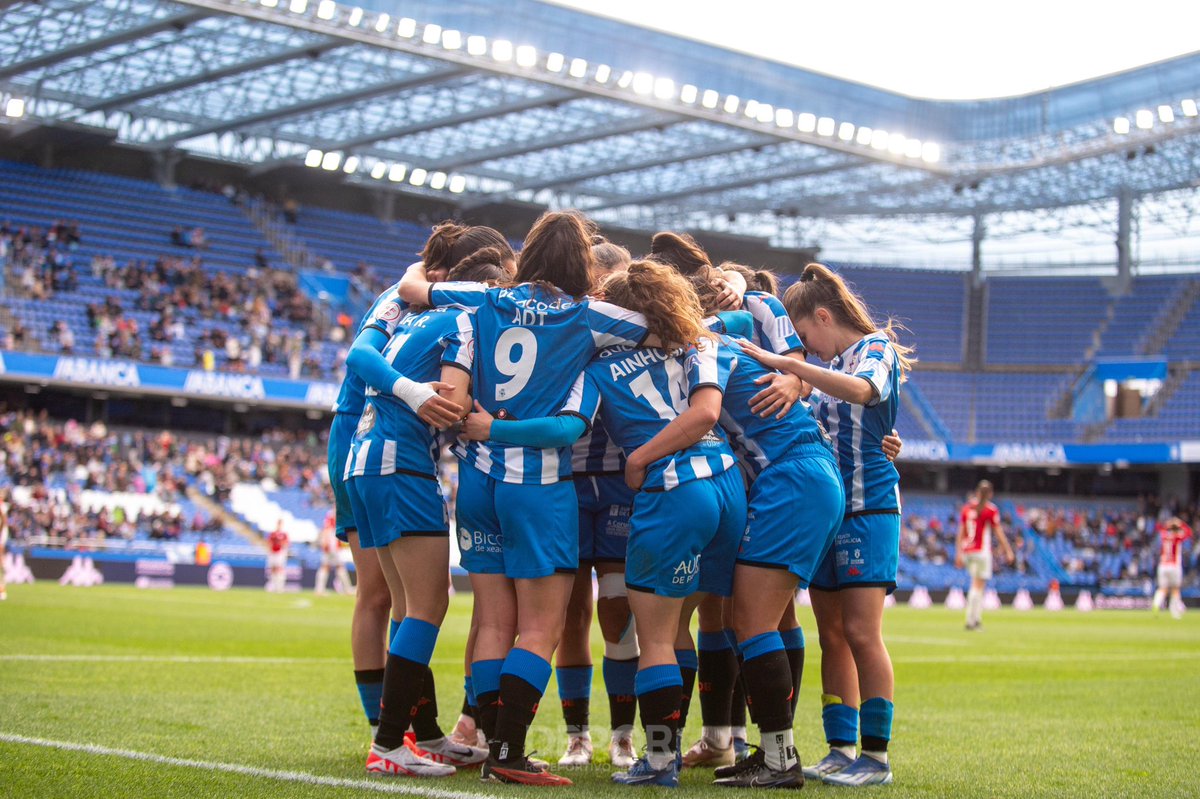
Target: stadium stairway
{"x": 231, "y": 521}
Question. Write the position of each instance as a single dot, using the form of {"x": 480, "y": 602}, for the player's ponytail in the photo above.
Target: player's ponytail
{"x": 451, "y": 242}
{"x": 763, "y": 280}
{"x": 678, "y": 250}
{"x": 664, "y": 297}
{"x": 821, "y": 287}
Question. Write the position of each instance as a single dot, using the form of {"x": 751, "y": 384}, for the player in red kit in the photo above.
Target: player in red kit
{"x": 1172, "y": 534}
{"x": 277, "y": 544}
{"x": 977, "y": 522}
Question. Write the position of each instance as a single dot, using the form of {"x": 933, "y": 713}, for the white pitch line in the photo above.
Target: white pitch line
{"x": 411, "y": 789}
{"x": 1055, "y": 658}
{"x": 231, "y": 659}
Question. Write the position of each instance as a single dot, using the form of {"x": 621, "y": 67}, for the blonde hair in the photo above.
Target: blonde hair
{"x": 664, "y": 297}
{"x": 821, "y": 287}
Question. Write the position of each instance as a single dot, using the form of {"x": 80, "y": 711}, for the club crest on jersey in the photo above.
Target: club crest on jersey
{"x": 391, "y": 313}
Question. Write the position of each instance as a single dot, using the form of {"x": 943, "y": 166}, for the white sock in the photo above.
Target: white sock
{"x": 880, "y": 756}
{"x": 738, "y": 732}
{"x": 974, "y": 606}
{"x": 779, "y": 750}
{"x": 659, "y": 761}
{"x": 848, "y": 751}
{"x": 1159, "y": 596}
{"x": 718, "y": 737}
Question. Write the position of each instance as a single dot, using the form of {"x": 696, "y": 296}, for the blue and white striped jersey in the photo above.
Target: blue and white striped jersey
{"x": 757, "y": 441}
{"x": 638, "y": 392}
{"x": 383, "y": 314}
{"x": 531, "y": 343}
{"x": 391, "y": 438}
{"x": 773, "y": 329}
{"x": 870, "y": 479}
{"x": 596, "y": 453}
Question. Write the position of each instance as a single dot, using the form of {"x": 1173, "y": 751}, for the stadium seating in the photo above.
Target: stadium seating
{"x": 1048, "y": 320}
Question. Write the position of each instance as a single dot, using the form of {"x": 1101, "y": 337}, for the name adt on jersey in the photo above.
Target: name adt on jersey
{"x": 531, "y": 342}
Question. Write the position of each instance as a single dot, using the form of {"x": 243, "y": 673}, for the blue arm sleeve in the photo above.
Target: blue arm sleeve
{"x": 548, "y": 432}
{"x": 366, "y": 360}
{"x": 738, "y": 323}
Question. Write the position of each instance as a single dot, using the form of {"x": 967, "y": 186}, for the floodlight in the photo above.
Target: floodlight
{"x": 1166, "y": 113}
{"x": 863, "y": 136}
{"x": 458, "y": 184}
{"x": 431, "y": 35}
{"x": 806, "y": 123}
{"x": 1121, "y": 125}
{"x": 578, "y": 68}
{"x": 351, "y": 165}
{"x": 896, "y": 143}
{"x": 451, "y": 40}
{"x": 356, "y": 15}
{"x": 382, "y": 22}
{"x": 417, "y": 178}
{"x": 912, "y": 148}
{"x": 1145, "y": 119}
{"x": 502, "y": 50}
{"x": 268, "y": 3}
{"x": 643, "y": 83}
{"x": 626, "y": 79}
{"x": 331, "y": 161}
{"x": 298, "y": 6}
{"x": 438, "y": 180}
{"x": 766, "y": 113}
{"x": 1188, "y": 107}
{"x": 379, "y": 170}
{"x": 784, "y": 117}
{"x": 555, "y": 62}
{"x": 603, "y": 73}
{"x": 326, "y": 9}
{"x": 477, "y": 45}
{"x": 710, "y": 98}
{"x": 879, "y": 140}
{"x": 825, "y": 126}
{"x": 407, "y": 27}
{"x": 664, "y": 89}
{"x": 846, "y": 131}
{"x": 15, "y": 108}
{"x": 527, "y": 56}
{"x": 731, "y": 104}
{"x": 751, "y": 108}
{"x": 688, "y": 94}
{"x": 931, "y": 152}
{"x": 312, "y": 159}
{"x": 396, "y": 173}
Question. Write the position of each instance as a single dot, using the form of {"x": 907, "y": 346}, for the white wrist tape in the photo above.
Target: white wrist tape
{"x": 412, "y": 393}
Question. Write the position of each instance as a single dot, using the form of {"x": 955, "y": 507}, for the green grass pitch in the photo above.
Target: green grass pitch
{"x": 115, "y": 692}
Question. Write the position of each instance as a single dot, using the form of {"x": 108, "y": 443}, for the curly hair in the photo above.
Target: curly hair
{"x": 664, "y": 297}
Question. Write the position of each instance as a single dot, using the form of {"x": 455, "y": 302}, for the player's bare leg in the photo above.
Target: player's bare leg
{"x": 573, "y": 667}
{"x": 862, "y": 626}
{"x": 369, "y": 628}
{"x": 975, "y": 603}
{"x": 839, "y": 685}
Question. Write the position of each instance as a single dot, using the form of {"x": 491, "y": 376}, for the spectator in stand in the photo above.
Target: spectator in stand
{"x": 179, "y": 238}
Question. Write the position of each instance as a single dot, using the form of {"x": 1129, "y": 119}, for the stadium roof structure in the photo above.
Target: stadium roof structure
{"x": 487, "y": 101}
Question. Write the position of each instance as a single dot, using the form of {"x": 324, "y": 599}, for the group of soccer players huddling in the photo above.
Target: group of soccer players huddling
{"x": 657, "y": 421}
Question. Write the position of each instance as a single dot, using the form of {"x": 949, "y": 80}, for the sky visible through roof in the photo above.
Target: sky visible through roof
{"x": 942, "y": 49}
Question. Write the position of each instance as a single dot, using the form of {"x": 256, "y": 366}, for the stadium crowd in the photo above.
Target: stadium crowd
{"x": 180, "y": 290}
{"x": 52, "y": 462}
